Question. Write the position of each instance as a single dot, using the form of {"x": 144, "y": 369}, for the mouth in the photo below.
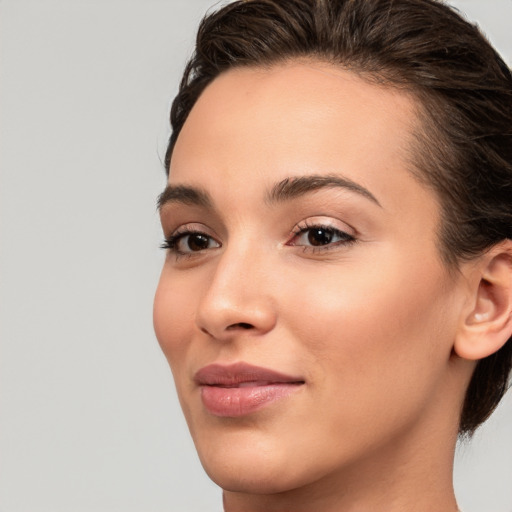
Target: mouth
{"x": 240, "y": 389}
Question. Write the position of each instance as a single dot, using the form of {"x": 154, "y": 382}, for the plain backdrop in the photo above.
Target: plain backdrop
{"x": 89, "y": 420}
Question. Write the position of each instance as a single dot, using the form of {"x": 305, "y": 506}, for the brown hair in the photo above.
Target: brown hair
{"x": 463, "y": 149}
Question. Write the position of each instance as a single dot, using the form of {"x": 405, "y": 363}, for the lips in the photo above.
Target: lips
{"x": 240, "y": 389}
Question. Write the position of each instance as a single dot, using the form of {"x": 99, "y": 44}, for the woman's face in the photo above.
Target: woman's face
{"x": 303, "y": 306}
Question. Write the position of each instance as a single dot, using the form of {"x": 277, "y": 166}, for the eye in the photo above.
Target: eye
{"x": 189, "y": 242}
{"x": 320, "y": 236}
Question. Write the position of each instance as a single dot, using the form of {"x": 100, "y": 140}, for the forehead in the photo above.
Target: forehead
{"x": 260, "y": 125}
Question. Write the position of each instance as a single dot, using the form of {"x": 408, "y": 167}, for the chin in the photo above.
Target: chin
{"x": 249, "y": 466}
{"x": 248, "y": 482}
{"x": 255, "y": 478}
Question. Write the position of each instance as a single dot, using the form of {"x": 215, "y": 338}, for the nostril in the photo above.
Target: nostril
{"x": 233, "y": 327}
{"x": 241, "y": 325}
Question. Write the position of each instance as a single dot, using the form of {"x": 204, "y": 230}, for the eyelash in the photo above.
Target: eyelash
{"x": 171, "y": 243}
{"x": 344, "y": 237}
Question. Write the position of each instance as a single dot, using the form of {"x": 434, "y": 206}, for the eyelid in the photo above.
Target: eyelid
{"x": 190, "y": 227}
{"x": 346, "y": 234}
{"x": 184, "y": 230}
{"x": 325, "y": 222}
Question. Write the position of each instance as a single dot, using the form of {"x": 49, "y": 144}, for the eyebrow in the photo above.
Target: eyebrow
{"x": 287, "y": 189}
{"x": 184, "y": 194}
{"x": 291, "y": 188}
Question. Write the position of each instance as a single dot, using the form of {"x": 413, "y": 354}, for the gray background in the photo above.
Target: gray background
{"x": 88, "y": 416}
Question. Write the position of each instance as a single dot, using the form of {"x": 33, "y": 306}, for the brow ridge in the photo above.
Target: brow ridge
{"x": 297, "y": 186}
{"x": 286, "y": 189}
{"x": 184, "y": 194}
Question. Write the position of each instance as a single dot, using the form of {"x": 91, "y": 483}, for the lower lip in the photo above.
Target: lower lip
{"x": 235, "y": 402}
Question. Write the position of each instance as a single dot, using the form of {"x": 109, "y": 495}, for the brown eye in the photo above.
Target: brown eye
{"x": 196, "y": 241}
{"x": 320, "y": 236}
{"x": 190, "y": 242}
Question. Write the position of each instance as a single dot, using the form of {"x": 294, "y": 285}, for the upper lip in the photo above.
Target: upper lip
{"x": 232, "y": 375}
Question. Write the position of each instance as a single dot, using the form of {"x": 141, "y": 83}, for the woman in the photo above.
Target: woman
{"x": 336, "y": 301}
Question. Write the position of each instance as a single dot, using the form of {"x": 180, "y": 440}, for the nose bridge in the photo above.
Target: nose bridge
{"x": 238, "y": 295}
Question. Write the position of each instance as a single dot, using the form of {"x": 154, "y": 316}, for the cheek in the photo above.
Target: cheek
{"x": 173, "y": 317}
{"x": 374, "y": 333}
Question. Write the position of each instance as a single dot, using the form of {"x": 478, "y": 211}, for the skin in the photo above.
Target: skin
{"x": 368, "y": 324}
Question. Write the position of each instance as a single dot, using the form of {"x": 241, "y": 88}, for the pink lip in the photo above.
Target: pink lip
{"x": 239, "y": 389}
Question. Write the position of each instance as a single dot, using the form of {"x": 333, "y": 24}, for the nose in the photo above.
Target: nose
{"x": 239, "y": 298}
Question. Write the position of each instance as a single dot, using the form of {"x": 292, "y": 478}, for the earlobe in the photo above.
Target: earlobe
{"x": 488, "y": 325}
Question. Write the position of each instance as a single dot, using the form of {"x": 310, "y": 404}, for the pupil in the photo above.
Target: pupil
{"x": 319, "y": 236}
{"x": 197, "y": 242}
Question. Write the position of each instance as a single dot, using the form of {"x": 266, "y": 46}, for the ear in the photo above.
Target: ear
{"x": 488, "y": 325}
